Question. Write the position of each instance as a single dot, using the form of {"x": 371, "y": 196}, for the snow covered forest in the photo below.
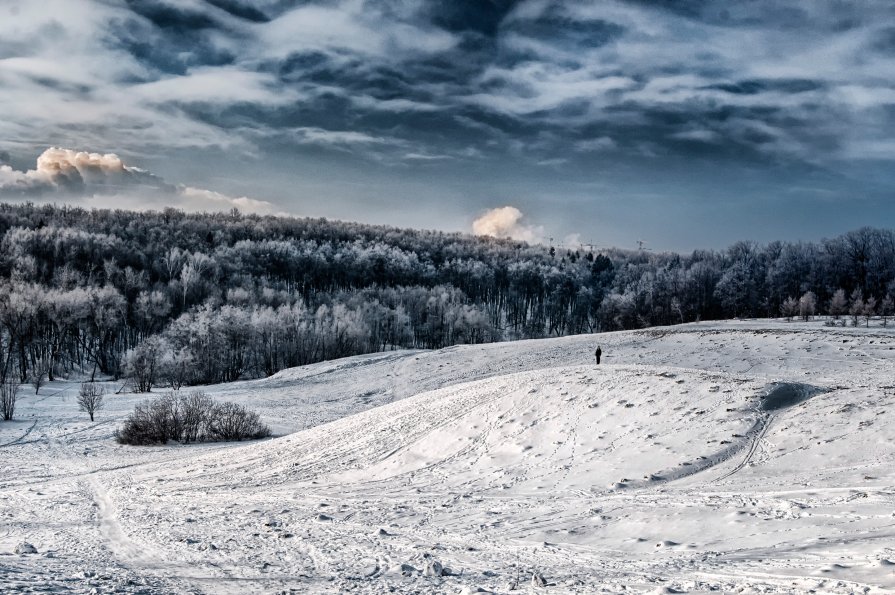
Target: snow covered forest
{"x": 171, "y": 299}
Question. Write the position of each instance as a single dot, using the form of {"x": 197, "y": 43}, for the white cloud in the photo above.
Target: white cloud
{"x": 426, "y": 157}
{"x": 321, "y": 136}
{"x": 701, "y": 135}
{"x": 539, "y": 87}
{"x": 351, "y": 25}
{"x": 104, "y": 180}
{"x": 573, "y": 241}
{"x": 214, "y": 85}
{"x": 553, "y": 162}
{"x": 602, "y": 143}
{"x": 507, "y": 222}
{"x": 199, "y": 199}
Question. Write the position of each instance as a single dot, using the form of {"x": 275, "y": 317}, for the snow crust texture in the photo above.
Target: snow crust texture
{"x": 741, "y": 457}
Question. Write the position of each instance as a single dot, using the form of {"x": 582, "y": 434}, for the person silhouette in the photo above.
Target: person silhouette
{"x": 598, "y": 353}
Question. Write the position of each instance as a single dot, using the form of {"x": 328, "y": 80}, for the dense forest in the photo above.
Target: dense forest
{"x": 169, "y": 298}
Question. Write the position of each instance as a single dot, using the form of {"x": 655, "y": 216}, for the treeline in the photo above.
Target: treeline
{"x": 174, "y": 298}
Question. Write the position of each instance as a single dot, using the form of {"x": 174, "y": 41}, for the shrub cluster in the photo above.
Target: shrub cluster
{"x": 193, "y": 417}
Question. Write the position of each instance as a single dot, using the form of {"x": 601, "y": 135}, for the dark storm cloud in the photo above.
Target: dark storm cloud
{"x": 479, "y": 16}
{"x": 554, "y": 85}
{"x": 169, "y": 39}
{"x": 754, "y": 87}
{"x": 534, "y": 67}
{"x": 171, "y": 17}
{"x": 243, "y": 10}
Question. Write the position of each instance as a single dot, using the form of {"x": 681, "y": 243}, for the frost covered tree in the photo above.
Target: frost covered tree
{"x": 838, "y": 304}
{"x": 886, "y": 308}
{"x": 869, "y": 310}
{"x": 807, "y": 305}
{"x": 150, "y": 311}
{"x": 736, "y": 290}
{"x": 143, "y": 363}
{"x": 789, "y": 308}
{"x": 856, "y": 306}
{"x": 242, "y": 296}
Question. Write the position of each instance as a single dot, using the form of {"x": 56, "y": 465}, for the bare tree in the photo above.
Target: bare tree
{"x": 90, "y": 398}
{"x": 9, "y": 392}
{"x": 38, "y": 374}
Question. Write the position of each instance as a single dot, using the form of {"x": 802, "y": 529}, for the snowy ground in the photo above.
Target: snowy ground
{"x": 662, "y": 470}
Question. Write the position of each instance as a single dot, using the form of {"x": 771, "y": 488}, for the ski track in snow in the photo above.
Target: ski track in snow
{"x": 655, "y": 472}
{"x": 122, "y": 548}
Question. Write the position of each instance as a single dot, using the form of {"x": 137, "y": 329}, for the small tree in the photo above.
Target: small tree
{"x": 90, "y": 398}
{"x": 38, "y": 374}
{"x": 9, "y": 392}
{"x": 807, "y": 305}
{"x": 886, "y": 307}
{"x": 789, "y": 308}
{"x": 839, "y": 304}
{"x": 677, "y": 308}
{"x": 856, "y": 308}
{"x": 869, "y": 310}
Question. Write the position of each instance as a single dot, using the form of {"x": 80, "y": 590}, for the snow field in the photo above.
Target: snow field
{"x": 479, "y": 466}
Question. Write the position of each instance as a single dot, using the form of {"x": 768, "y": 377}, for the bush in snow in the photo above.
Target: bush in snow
{"x": 190, "y": 418}
{"x": 229, "y": 421}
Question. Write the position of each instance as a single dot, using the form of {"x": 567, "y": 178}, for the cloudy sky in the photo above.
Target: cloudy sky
{"x": 685, "y": 123}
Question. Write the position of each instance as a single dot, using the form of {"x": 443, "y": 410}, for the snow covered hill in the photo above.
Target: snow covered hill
{"x": 730, "y": 457}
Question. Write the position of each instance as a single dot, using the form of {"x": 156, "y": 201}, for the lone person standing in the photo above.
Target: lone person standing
{"x": 598, "y": 353}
